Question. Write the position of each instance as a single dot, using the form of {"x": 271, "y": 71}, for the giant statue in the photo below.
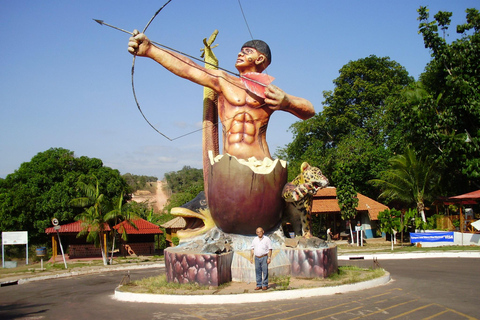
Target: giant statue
{"x": 244, "y": 187}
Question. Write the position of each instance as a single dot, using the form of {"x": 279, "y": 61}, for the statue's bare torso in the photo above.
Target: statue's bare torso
{"x": 243, "y": 114}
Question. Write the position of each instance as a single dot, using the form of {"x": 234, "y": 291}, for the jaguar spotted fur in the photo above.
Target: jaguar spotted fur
{"x": 299, "y": 197}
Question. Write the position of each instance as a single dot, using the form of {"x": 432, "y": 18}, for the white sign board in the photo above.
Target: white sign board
{"x": 476, "y": 224}
{"x": 15, "y": 237}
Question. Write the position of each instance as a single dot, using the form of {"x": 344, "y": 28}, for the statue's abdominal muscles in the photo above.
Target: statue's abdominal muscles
{"x": 242, "y": 129}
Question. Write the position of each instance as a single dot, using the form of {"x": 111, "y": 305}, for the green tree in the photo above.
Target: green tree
{"x": 185, "y": 184}
{"x": 346, "y": 194}
{"x": 180, "y": 180}
{"x": 358, "y": 100}
{"x": 409, "y": 180}
{"x": 349, "y": 136}
{"x": 441, "y": 116}
{"x": 139, "y": 182}
{"x": 180, "y": 198}
{"x": 93, "y": 218}
{"x": 119, "y": 214}
{"x": 392, "y": 221}
{"x": 42, "y": 188}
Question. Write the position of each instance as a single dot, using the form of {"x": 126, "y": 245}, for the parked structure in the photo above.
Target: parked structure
{"x": 140, "y": 237}
{"x": 325, "y": 202}
{"x": 75, "y": 247}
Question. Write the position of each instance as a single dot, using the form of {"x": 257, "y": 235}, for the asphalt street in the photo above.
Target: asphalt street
{"x": 443, "y": 288}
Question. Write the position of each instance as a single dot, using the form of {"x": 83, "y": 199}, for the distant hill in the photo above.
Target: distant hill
{"x": 154, "y": 194}
{"x": 140, "y": 182}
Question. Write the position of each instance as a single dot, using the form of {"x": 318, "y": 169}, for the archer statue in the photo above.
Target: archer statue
{"x": 245, "y": 103}
{"x": 244, "y": 114}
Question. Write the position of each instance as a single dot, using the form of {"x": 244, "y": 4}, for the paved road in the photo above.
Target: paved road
{"x": 422, "y": 289}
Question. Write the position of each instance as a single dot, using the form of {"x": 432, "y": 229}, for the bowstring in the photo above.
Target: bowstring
{"x": 245, "y": 19}
{"x": 248, "y": 26}
{"x": 192, "y": 65}
{"x": 133, "y": 72}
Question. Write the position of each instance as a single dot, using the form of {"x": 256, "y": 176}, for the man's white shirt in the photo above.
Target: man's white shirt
{"x": 261, "y": 246}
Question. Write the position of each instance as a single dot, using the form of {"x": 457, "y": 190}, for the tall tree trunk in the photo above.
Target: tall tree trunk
{"x": 113, "y": 247}
{"x": 421, "y": 210}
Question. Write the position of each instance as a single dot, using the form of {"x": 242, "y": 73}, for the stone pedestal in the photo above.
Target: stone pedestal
{"x": 313, "y": 263}
{"x": 301, "y": 263}
{"x": 216, "y": 269}
{"x": 204, "y": 269}
{"x": 244, "y": 271}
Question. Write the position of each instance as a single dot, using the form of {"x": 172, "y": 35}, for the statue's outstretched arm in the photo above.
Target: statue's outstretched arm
{"x": 175, "y": 62}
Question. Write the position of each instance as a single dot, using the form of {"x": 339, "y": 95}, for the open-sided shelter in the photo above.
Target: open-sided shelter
{"x": 466, "y": 216}
{"x": 171, "y": 228}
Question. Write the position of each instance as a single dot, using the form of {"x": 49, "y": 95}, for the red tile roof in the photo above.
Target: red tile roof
{"x": 464, "y": 199}
{"x": 325, "y": 206}
{"x": 74, "y": 227}
{"x": 325, "y": 201}
{"x": 143, "y": 227}
{"x": 474, "y": 195}
{"x": 373, "y": 207}
{"x": 327, "y": 192}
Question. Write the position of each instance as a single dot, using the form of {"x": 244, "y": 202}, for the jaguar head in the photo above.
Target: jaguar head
{"x": 314, "y": 176}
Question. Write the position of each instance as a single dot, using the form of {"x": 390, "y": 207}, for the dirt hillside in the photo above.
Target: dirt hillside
{"x": 157, "y": 198}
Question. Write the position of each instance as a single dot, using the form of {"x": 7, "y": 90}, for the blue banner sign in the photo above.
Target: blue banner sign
{"x": 431, "y": 237}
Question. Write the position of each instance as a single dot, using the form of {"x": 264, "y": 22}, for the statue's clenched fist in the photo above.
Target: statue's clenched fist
{"x": 138, "y": 44}
{"x": 275, "y": 97}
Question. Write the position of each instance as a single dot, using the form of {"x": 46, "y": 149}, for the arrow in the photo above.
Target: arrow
{"x": 245, "y": 80}
{"x": 101, "y": 22}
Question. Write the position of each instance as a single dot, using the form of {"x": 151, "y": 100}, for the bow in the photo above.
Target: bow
{"x": 133, "y": 72}
{"x": 253, "y": 82}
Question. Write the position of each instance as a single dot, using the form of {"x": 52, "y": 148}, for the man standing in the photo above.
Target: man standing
{"x": 262, "y": 253}
{"x": 243, "y": 114}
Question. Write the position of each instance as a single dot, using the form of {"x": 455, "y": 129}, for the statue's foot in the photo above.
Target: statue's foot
{"x": 197, "y": 215}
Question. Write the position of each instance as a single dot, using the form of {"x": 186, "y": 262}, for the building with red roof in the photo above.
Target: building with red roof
{"x": 140, "y": 237}
{"x": 75, "y": 247}
{"x": 325, "y": 202}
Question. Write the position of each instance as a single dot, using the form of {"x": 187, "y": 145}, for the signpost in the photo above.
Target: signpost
{"x": 57, "y": 227}
{"x": 358, "y": 229}
{"x": 14, "y": 237}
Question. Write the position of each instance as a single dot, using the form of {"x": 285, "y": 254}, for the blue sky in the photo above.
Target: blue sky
{"x": 65, "y": 80}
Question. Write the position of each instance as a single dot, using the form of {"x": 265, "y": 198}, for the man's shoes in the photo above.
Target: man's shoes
{"x": 258, "y": 288}
{"x": 264, "y": 288}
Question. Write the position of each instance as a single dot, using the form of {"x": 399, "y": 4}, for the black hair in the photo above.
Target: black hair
{"x": 260, "y": 46}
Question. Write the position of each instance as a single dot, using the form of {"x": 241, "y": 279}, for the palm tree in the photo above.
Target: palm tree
{"x": 117, "y": 214}
{"x": 409, "y": 180}
{"x": 94, "y": 223}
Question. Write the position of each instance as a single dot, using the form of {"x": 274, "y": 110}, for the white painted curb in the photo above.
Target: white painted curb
{"x": 247, "y": 297}
{"x": 418, "y": 255}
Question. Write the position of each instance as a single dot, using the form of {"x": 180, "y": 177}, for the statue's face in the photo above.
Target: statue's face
{"x": 249, "y": 58}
